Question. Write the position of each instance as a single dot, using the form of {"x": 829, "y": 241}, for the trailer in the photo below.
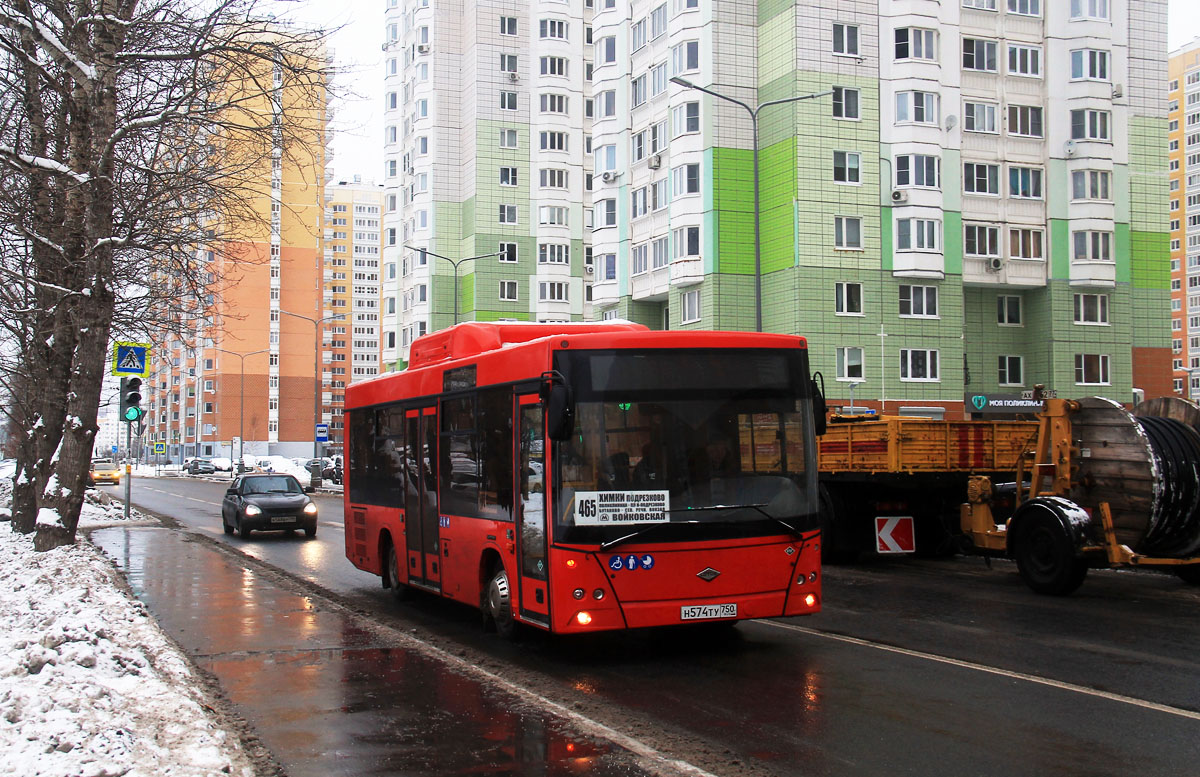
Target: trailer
{"x": 1087, "y": 485}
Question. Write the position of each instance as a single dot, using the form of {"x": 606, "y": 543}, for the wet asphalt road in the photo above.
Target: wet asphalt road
{"x": 914, "y": 667}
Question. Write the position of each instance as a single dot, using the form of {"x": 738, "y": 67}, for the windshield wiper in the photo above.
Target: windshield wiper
{"x": 757, "y": 507}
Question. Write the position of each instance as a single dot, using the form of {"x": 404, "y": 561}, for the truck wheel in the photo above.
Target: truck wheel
{"x": 1189, "y": 574}
{"x": 400, "y": 592}
{"x": 497, "y": 605}
{"x": 1046, "y": 558}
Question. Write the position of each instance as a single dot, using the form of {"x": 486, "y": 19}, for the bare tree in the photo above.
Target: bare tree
{"x": 136, "y": 134}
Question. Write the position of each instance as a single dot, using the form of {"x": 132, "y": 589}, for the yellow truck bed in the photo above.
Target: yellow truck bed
{"x": 900, "y": 444}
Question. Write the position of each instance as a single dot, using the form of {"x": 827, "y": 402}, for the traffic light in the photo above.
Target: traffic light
{"x": 131, "y": 400}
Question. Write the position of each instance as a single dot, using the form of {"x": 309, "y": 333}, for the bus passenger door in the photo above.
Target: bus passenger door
{"x": 531, "y": 488}
{"x": 420, "y": 503}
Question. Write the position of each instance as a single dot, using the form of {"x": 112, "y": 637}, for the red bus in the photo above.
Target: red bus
{"x": 584, "y": 477}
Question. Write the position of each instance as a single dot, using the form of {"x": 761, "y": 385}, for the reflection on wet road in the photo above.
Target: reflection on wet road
{"x": 331, "y": 697}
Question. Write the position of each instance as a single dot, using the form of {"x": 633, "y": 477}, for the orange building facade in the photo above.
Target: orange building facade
{"x": 1183, "y": 147}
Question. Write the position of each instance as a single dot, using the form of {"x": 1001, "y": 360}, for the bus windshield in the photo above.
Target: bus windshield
{"x": 713, "y": 439}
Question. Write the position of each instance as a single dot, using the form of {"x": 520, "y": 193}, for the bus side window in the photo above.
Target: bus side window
{"x": 459, "y": 460}
{"x": 496, "y": 454}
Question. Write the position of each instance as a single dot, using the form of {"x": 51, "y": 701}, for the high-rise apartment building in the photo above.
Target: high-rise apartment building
{"x": 246, "y": 367}
{"x": 353, "y": 250}
{"x": 973, "y": 205}
{"x": 1183, "y": 143}
{"x": 488, "y": 155}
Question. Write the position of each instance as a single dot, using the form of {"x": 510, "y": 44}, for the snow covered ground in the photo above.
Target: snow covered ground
{"x": 89, "y": 684}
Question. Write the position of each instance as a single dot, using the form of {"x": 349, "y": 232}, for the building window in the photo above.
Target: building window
{"x": 918, "y": 170}
{"x": 917, "y": 107}
{"x": 1091, "y": 309}
{"x": 640, "y": 261}
{"x": 606, "y": 50}
{"x": 686, "y": 118}
{"x": 554, "y": 253}
{"x": 918, "y": 301}
{"x": 982, "y": 5}
{"x": 508, "y": 176}
{"x": 508, "y": 214}
{"x": 979, "y": 178}
{"x": 1025, "y": 182}
{"x": 847, "y": 233}
{"x": 552, "y": 103}
{"x": 508, "y": 138}
{"x": 1025, "y": 120}
{"x": 918, "y": 235}
{"x": 849, "y": 363}
{"x": 1024, "y": 243}
{"x": 1089, "y": 9}
{"x": 1025, "y": 7}
{"x": 1024, "y": 61}
{"x": 1091, "y": 185}
{"x": 605, "y": 213}
{"x": 979, "y": 117}
{"x": 846, "y": 167}
{"x": 915, "y": 43}
{"x": 979, "y": 55}
{"x": 845, "y": 103}
{"x": 685, "y": 57}
{"x": 553, "y": 66}
{"x": 552, "y": 28}
{"x": 1091, "y": 369}
{"x": 981, "y": 240}
{"x": 1091, "y": 64}
{"x": 508, "y": 102}
{"x": 690, "y": 303}
{"x": 1091, "y": 246}
{"x": 606, "y": 104}
{"x": 508, "y": 63}
{"x": 686, "y": 179}
{"x": 552, "y": 291}
{"x": 1010, "y": 371}
{"x": 917, "y": 364}
{"x": 508, "y": 252}
{"x": 508, "y": 25}
{"x": 847, "y": 299}
{"x": 508, "y": 291}
{"x": 845, "y": 39}
{"x": 552, "y": 178}
{"x": 1088, "y": 124}
{"x": 1008, "y": 309}
{"x": 687, "y": 242}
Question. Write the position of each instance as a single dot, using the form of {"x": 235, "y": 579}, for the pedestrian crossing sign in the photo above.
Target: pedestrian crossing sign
{"x": 131, "y": 359}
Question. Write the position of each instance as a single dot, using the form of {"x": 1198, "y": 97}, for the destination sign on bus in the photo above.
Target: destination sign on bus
{"x": 604, "y": 508}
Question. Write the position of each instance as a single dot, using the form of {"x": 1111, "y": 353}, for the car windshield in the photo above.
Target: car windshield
{"x": 713, "y": 437}
{"x": 281, "y": 484}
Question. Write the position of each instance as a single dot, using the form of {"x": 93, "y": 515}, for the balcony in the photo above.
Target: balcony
{"x": 687, "y": 271}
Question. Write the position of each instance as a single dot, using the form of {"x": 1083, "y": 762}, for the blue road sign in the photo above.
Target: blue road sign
{"x": 322, "y": 432}
{"x": 131, "y": 359}
{"x": 114, "y": 450}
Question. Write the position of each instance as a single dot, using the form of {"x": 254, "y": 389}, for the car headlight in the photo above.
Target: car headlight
{"x": 310, "y": 509}
{"x": 253, "y": 510}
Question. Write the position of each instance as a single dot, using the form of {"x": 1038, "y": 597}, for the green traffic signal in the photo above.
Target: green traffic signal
{"x": 133, "y": 414}
{"x": 131, "y": 399}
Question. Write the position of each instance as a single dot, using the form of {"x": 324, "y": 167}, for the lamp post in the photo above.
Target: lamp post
{"x": 316, "y": 322}
{"x": 241, "y": 404}
{"x": 754, "y": 127}
{"x": 455, "y": 263}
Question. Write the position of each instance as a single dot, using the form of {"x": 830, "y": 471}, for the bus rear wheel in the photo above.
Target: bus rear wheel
{"x": 400, "y": 592}
{"x": 497, "y": 605}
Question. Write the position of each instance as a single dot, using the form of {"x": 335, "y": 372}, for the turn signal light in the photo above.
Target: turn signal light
{"x": 583, "y": 618}
{"x": 810, "y": 600}
{"x": 570, "y": 563}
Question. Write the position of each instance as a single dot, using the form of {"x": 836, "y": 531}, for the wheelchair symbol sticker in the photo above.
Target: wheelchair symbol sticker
{"x": 616, "y": 563}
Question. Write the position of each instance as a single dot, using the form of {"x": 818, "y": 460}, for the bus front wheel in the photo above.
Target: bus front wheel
{"x": 399, "y": 590}
{"x": 497, "y": 605}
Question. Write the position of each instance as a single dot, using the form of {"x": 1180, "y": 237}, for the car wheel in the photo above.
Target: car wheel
{"x": 243, "y": 529}
{"x": 498, "y": 605}
{"x": 225, "y": 525}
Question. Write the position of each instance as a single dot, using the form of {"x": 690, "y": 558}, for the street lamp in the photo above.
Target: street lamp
{"x": 316, "y": 322}
{"x": 754, "y": 126}
{"x": 241, "y": 404}
{"x": 456, "y": 263}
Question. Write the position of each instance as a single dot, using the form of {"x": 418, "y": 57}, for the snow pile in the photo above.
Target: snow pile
{"x": 89, "y": 684}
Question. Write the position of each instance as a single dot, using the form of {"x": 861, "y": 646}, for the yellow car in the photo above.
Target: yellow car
{"x": 105, "y": 471}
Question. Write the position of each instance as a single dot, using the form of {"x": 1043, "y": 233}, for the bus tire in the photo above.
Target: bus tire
{"x": 400, "y": 592}
{"x": 497, "y": 603}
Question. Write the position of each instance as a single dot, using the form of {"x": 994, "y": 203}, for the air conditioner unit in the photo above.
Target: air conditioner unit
{"x": 587, "y": 269}
{"x": 513, "y": 77}
{"x": 995, "y": 263}
{"x": 422, "y": 48}
{"x": 654, "y": 162}
{"x": 899, "y": 195}
{"x": 608, "y": 176}
{"x": 1069, "y": 148}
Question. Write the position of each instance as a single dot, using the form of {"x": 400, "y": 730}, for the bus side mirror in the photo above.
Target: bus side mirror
{"x": 560, "y": 412}
{"x": 820, "y": 410}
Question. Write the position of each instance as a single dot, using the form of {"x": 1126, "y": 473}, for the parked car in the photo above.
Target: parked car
{"x": 201, "y": 467}
{"x": 266, "y": 501}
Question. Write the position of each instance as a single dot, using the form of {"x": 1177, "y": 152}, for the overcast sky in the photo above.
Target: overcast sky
{"x": 358, "y": 120}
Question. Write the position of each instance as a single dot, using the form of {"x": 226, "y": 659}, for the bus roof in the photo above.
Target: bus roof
{"x": 475, "y": 337}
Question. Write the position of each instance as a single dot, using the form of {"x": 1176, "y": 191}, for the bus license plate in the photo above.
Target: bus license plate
{"x": 283, "y": 519}
{"x": 696, "y": 612}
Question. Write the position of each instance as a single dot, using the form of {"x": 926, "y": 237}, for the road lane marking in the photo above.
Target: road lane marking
{"x": 1031, "y": 678}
